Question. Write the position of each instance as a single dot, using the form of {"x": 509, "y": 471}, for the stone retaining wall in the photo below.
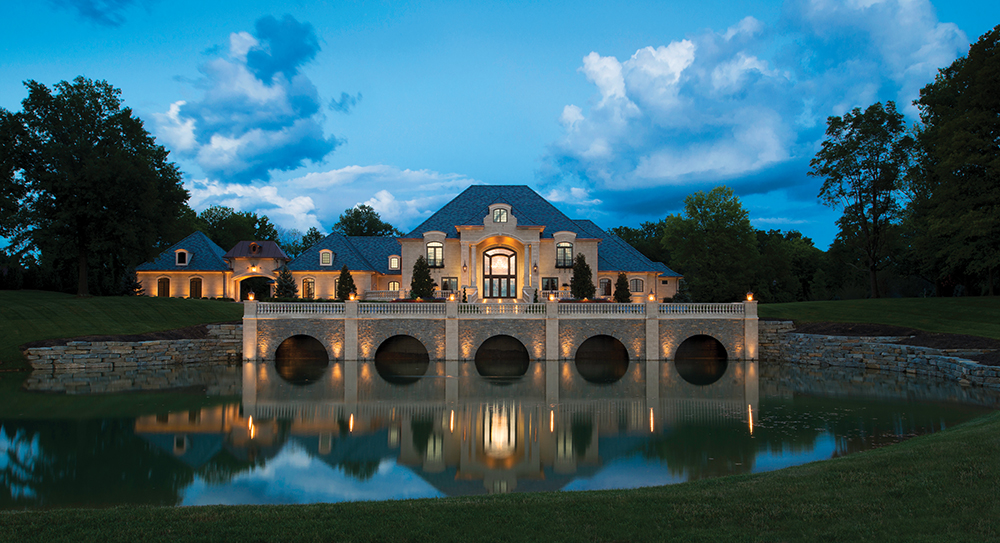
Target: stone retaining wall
{"x": 224, "y": 343}
{"x": 778, "y": 343}
{"x": 210, "y": 378}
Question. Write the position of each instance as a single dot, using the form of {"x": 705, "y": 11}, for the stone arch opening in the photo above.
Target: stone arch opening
{"x": 602, "y": 359}
{"x": 401, "y": 360}
{"x": 502, "y": 356}
{"x": 701, "y": 360}
{"x": 301, "y": 360}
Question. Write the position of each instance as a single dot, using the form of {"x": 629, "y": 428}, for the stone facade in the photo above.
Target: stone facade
{"x": 530, "y": 332}
{"x": 729, "y": 332}
{"x": 223, "y": 344}
{"x": 371, "y": 334}
{"x": 778, "y": 343}
{"x": 271, "y": 332}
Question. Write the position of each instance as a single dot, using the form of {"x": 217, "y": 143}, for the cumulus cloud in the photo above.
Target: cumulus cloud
{"x": 258, "y": 114}
{"x": 402, "y": 197}
{"x": 745, "y": 106}
{"x": 102, "y": 12}
{"x": 346, "y": 102}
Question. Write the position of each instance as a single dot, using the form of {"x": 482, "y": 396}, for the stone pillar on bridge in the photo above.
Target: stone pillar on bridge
{"x": 552, "y": 330}
{"x": 750, "y": 330}
{"x": 250, "y": 331}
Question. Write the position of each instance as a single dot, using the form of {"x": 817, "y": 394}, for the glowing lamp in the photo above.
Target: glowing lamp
{"x": 552, "y": 297}
{"x": 535, "y": 268}
{"x": 465, "y": 268}
{"x": 749, "y": 295}
{"x": 352, "y": 296}
{"x": 451, "y": 297}
{"x": 250, "y": 295}
{"x": 652, "y": 297}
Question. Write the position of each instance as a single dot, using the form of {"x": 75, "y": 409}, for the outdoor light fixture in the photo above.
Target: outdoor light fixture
{"x": 253, "y": 268}
{"x": 749, "y": 295}
{"x": 535, "y": 269}
{"x": 250, "y": 295}
{"x": 552, "y": 297}
{"x": 465, "y": 268}
{"x": 652, "y": 297}
{"x": 451, "y": 297}
{"x": 352, "y": 296}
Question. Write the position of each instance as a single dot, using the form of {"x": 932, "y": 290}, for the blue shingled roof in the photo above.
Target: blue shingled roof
{"x": 357, "y": 252}
{"x": 203, "y": 255}
{"x": 615, "y": 254}
{"x": 472, "y": 205}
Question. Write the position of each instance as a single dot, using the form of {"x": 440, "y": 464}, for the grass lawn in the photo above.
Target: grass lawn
{"x": 974, "y": 316}
{"x": 33, "y": 315}
{"x": 940, "y": 487}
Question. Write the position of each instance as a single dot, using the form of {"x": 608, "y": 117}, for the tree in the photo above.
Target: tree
{"x": 294, "y": 243}
{"x": 345, "y": 286}
{"x": 227, "y": 227}
{"x": 646, "y": 239}
{"x": 713, "y": 245}
{"x": 83, "y": 182}
{"x": 285, "y": 286}
{"x": 865, "y": 161}
{"x": 363, "y": 220}
{"x": 581, "y": 285}
{"x": 622, "y": 294}
{"x": 421, "y": 284}
{"x": 957, "y": 207}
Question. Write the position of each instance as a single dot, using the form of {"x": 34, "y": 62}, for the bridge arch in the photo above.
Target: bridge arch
{"x": 502, "y": 356}
{"x": 602, "y": 359}
{"x": 630, "y": 334}
{"x": 401, "y": 359}
{"x": 301, "y": 359}
{"x": 701, "y": 359}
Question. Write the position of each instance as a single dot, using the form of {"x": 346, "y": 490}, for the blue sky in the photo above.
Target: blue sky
{"x": 615, "y": 111}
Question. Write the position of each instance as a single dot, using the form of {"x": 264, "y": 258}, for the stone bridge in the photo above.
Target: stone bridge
{"x": 353, "y": 331}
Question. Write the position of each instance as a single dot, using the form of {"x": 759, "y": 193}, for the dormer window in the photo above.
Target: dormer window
{"x": 326, "y": 258}
{"x": 181, "y": 258}
{"x": 499, "y": 215}
{"x": 393, "y": 262}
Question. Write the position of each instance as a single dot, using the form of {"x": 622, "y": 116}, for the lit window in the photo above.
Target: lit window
{"x": 308, "y": 289}
{"x": 393, "y": 285}
{"x": 325, "y": 258}
{"x": 449, "y": 283}
{"x": 635, "y": 285}
{"x": 435, "y": 254}
{"x": 182, "y": 258}
{"x": 564, "y": 255}
{"x": 393, "y": 262}
{"x": 550, "y": 283}
{"x": 499, "y": 215}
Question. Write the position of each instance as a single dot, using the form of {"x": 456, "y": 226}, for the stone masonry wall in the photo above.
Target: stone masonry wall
{"x": 778, "y": 344}
{"x": 225, "y": 343}
{"x": 213, "y": 378}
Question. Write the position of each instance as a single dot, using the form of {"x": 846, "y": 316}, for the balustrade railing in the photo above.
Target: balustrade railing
{"x": 556, "y": 294}
{"x": 501, "y": 309}
{"x": 381, "y": 295}
{"x": 602, "y": 309}
{"x": 702, "y": 309}
{"x": 415, "y": 308}
{"x": 293, "y": 308}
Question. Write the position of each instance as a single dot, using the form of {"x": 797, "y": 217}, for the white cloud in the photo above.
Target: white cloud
{"x": 177, "y": 133}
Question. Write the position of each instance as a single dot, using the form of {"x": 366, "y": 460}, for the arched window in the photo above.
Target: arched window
{"x": 435, "y": 254}
{"x": 326, "y": 258}
{"x": 499, "y": 215}
{"x": 195, "y": 288}
{"x": 605, "y": 287}
{"x": 564, "y": 255}
{"x": 499, "y": 273}
{"x": 393, "y": 285}
{"x": 308, "y": 288}
{"x": 181, "y": 257}
{"x": 635, "y": 285}
{"x": 163, "y": 287}
{"x": 393, "y": 262}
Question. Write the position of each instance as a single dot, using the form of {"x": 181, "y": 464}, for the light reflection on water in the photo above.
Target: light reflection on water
{"x": 352, "y": 435}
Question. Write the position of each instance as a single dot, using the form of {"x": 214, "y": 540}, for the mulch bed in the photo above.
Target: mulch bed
{"x": 199, "y": 331}
{"x": 910, "y": 336}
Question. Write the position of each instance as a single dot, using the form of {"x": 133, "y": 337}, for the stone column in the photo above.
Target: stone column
{"x": 750, "y": 330}
{"x": 250, "y": 331}
{"x": 351, "y": 331}
{"x": 473, "y": 266}
{"x": 451, "y": 330}
{"x": 465, "y": 282}
{"x": 552, "y": 330}
{"x": 654, "y": 353}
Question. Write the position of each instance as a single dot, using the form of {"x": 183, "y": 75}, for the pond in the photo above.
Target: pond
{"x": 307, "y": 430}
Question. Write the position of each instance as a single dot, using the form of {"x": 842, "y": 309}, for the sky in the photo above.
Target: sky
{"x": 614, "y": 111}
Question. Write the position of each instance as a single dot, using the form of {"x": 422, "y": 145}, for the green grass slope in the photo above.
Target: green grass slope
{"x": 974, "y": 316}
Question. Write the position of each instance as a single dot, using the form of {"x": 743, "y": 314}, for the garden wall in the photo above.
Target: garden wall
{"x": 779, "y": 344}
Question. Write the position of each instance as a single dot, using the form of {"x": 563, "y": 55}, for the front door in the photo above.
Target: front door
{"x": 499, "y": 273}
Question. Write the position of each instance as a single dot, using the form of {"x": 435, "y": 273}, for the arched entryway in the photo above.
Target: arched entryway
{"x": 499, "y": 273}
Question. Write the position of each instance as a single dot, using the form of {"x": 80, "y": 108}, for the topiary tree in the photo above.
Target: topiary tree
{"x": 285, "y": 286}
{"x": 581, "y": 285}
{"x": 345, "y": 286}
{"x": 622, "y": 294}
{"x": 421, "y": 284}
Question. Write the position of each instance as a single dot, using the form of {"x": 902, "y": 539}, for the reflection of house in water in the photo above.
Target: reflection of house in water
{"x": 461, "y": 433}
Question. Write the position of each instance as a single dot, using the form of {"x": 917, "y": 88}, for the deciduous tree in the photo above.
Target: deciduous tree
{"x": 865, "y": 161}
{"x": 227, "y": 227}
{"x": 81, "y": 179}
{"x": 363, "y": 220}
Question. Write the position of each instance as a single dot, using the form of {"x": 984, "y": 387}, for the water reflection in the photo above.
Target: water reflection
{"x": 502, "y": 356}
{"x": 301, "y": 360}
{"x": 352, "y": 435}
{"x": 402, "y": 360}
{"x": 701, "y": 360}
{"x": 602, "y": 360}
